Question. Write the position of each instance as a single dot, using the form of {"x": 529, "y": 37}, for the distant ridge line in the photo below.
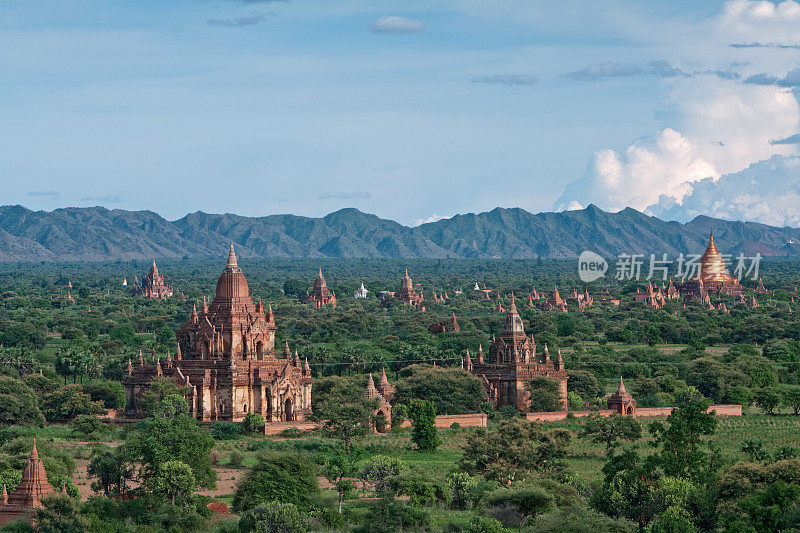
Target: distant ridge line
{"x": 100, "y": 234}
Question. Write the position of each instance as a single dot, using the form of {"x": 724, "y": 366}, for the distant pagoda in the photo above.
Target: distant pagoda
{"x": 712, "y": 277}
{"x": 407, "y": 294}
{"x": 320, "y": 295}
{"x": 153, "y": 285}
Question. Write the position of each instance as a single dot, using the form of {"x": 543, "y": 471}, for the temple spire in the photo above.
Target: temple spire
{"x": 621, "y": 386}
{"x": 371, "y": 390}
{"x": 232, "y": 257}
{"x": 512, "y": 308}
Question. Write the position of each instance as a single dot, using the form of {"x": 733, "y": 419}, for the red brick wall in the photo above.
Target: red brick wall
{"x": 465, "y": 421}
{"x": 641, "y": 412}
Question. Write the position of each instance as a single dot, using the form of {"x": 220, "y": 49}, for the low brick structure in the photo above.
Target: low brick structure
{"x": 469, "y": 420}
{"x": 641, "y": 412}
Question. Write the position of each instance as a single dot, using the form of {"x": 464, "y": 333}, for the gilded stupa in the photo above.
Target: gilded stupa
{"x": 712, "y": 276}
{"x": 712, "y": 265}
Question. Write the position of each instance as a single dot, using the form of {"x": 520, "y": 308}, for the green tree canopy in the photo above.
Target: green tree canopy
{"x": 452, "y": 390}
{"x": 18, "y": 404}
{"x": 158, "y": 440}
{"x": 283, "y": 476}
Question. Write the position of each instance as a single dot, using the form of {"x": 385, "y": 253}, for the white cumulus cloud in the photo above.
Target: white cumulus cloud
{"x": 661, "y": 164}
{"x": 432, "y": 218}
{"x": 767, "y": 192}
{"x": 761, "y": 21}
{"x": 716, "y": 127}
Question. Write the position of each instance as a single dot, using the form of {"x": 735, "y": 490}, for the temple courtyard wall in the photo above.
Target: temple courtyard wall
{"x": 641, "y": 412}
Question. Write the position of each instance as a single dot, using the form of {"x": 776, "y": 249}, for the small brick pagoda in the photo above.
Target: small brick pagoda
{"x": 320, "y": 294}
{"x": 29, "y": 492}
{"x": 622, "y": 401}
{"x": 383, "y": 393}
{"x": 513, "y": 363}
{"x": 226, "y": 358}
{"x": 153, "y": 285}
{"x": 445, "y": 326}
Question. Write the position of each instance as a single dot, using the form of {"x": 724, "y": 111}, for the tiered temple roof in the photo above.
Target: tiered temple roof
{"x": 226, "y": 357}
{"x": 712, "y": 277}
{"x": 555, "y": 302}
{"x": 320, "y": 295}
{"x": 28, "y": 493}
{"x": 513, "y": 363}
{"x": 407, "y": 295}
{"x": 153, "y": 285}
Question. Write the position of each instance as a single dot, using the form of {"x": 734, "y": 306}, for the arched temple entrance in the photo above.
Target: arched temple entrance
{"x": 380, "y": 422}
{"x": 288, "y": 412}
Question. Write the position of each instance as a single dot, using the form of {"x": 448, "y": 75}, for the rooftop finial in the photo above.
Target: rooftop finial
{"x": 232, "y": 257}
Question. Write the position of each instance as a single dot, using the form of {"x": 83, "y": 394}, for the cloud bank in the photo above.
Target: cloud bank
{"x": 767, "y": 191}
{"x": 240, "y": 22}
{"x": 507, "y": 79}
{"x": 609, "y": 69}
{"x": 730, "y": 144}
{"x": 396, "y": 25}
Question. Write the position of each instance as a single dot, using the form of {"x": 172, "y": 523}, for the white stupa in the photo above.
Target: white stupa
{"x": 361, "y": 292}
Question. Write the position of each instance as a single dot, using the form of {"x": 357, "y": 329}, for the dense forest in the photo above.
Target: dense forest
{"x": 61, "y": 362}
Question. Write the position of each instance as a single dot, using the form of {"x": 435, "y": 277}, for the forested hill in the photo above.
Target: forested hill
{"x": 99, "y": 234}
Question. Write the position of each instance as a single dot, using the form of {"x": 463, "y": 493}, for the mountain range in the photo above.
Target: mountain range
{"x": 100, "y": 234}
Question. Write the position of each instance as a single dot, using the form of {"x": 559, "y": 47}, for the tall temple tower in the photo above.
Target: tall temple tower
{"x": 513, "y": 363}
{"x": 320, "y": 294}
{"x": 153, "y": 285}
{"x": 408, "y": 295}
{"x": 226, "y": 357}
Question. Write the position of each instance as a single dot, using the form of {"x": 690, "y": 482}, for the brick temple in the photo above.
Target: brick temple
{"x": 320, "y": 295}
{"x": 29, "y": 492}
{"x": 226, "y": 358}
{"x": 153, "y": 285}
{"x": 512, "y": 363}
{"x": 407, "y": 294}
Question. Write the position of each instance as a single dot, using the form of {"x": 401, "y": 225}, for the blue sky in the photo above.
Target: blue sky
{"x": 410, "y": 110}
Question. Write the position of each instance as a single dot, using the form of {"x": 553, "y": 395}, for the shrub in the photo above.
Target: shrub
{"x": 226, "y": 430}
{"x": 18, "y": 403}
{"x": 480, "y": 524}
{"x": 273, "y": 517}
{"x": 235, "y": 459}
{"x": 88, "y": 426}
{"x": 423, "y": 425}
{"x": 68, "y": 402}
{"x": 110, "y": 394}
{"x": 399, "y": 414}
{"x": 253, "y": 423}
